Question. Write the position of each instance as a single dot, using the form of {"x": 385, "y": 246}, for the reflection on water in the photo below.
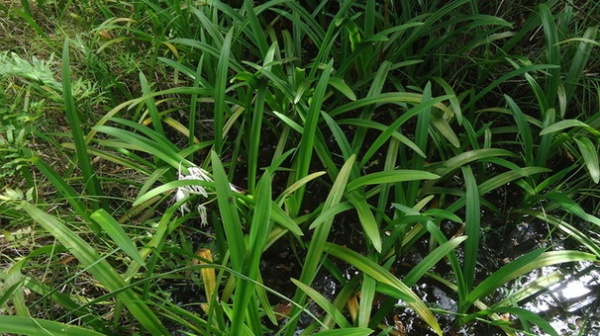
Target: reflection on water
{"x": 572, "y": 305}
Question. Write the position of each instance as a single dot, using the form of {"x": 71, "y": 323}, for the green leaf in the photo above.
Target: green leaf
{"x": 553, "y": 54}
{"x": 417, "y": 272}
{"x": 229, "y": 214}
{"x": 322, "y": 301}
{"x": 590, "y": 157}
{"x": 99, "y": 268}
{"x": 470, "y": 156}
{"x": 363, "y": 123}
{"x": 366, "y": 218}
{"x": 307, "y": 144}
{"x": 282, "y": 218}
{"x": 528, "y": 316}
{"x": 168, "y": 187}
{"x": 330, "y": 213}
{"x": 570, "y": 230}
{"x": 422, "y": 110}
{"x": 473, "y": 228}
{"x": 346, "y": 332}
{"x": 118, "y": 235}
{"x": 315, "y": 248}
{"x": 255, "y": 135}
{"x": 151, "y": 104}
{"x": 289, "y": 122}
{"x": 387, "y": 98}
{"x": 33, "y": 326}
{"x": 524, "y": 130}
{"x": 341, "y": 86}
{"x": 14, "y": 276}
{"x": 296, "y": 185}
{"x": 391, "y": 176}
{"x": 161, "y": 150}
{"x": 504, "y": 78}
{"x": 568, "y": 204}
{"x": 579, "y": 61}
{"x": 66, "y": 190}
{"x": 261, "y": 225}
{"x": 367, "y": 298}
{"x": 561, "y": 125}
{"x": 338, "y": 134}
{"x": 89, "y": 175}
{"x": 87, "y": 315}
{"x": 439, "y": 121}
{"x": 9, "y": 291}
{"x": 384, "y": 276}
{"x": 527, "y": 263}
{"x": 220, "y": 86}
{"x": 245, "y": 298}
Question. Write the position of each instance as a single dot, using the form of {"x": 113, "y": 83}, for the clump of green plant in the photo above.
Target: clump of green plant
{"x": 323, "y": 114}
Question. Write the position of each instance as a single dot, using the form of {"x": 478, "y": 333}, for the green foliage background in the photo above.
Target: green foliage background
{"x": 394, "y": 121}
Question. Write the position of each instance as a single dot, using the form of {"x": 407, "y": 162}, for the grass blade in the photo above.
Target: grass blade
{"x": 471, "y": 156}
{"x": 220, "y": 88}
{"x": 322, "y": 301}
{"x": 569, "y": 205}
{"x": 553, "y": 55}
{"x": 504, "y": 78}
{"x": 532, "y": 260}
{"x": 473, "y": 228}
{"x": 423, "y": 110}
{"x": 366, "y": 218}
{"x": 570, "y": 230}
{"x": 99, "y": 268}
{"x": 431, "y": 259}
{"x": 259, "y": 230}
{"x": 151, "y": 105}
{"x": 66, "y": 190}
{"x": 33, "y": 326}
{"x": 589, "y": 152}
{"x": 346, "y": 332}
{"x": 255, "y": 135}
{"x": 563, "y": 124}
{"x": 118, "y": 235}
{"x": 90, "y": 177}
{"x": 580, "y": 60}
{"x": 391, "y": 176}
{"x": 367, "y": 297}
{"x": 315, "y": 249}
{"x": 229, "y": 214}
{"x": 524, "y": 130}
{"x": 388, "y": 98}
{"x": 305, "y": 153}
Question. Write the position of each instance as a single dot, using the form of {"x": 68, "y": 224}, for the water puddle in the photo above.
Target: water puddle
{"x": 572, "y": 305}
{"x": 568, "y": 295}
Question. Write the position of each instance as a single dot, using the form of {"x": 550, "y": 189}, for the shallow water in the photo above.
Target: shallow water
{"x": 570, "y": 302}
{"x": 572, "y": 305}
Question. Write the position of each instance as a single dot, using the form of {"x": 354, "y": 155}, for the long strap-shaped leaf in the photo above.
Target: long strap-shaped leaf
{"x": 315, "y": 249}
{"x": 260, "y": 228}
{"x": 384, "y": 276}
{"x": 89, "y": 175}
{"x": 100, "y": 269}
{"x": 32, "y": 326}
{"x": 220, "y": 87}
{"x": 310, "y": 128}
{"x": 527, "y": 263}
